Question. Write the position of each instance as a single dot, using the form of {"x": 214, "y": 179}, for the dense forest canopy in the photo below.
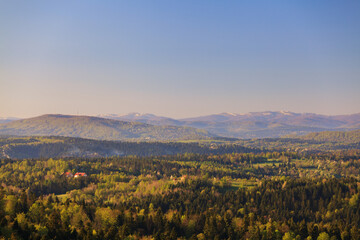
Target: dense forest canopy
{"x": 277, "y": 188}
{"x": 262, "y": 195}
{"x": 53, "y": 146}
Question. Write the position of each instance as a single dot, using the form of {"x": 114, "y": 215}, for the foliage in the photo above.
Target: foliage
{"x": 46, "y": 147}
{"x": 265, "y": 195}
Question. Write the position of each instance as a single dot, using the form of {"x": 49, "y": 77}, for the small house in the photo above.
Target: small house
{"x": 80, "y": 174}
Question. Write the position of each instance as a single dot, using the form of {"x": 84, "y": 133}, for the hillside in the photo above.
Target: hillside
{"x": 136, "y": 126}
{"x": 284, "y": 117}
{"x": 54, "y": 146}
{"x": 46, "y": 147}
{"x": 98, "y": 128}
{"x": 312, "y": 142}
{"x": 336, "y": 136}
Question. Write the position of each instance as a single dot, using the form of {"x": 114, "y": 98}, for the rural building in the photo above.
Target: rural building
{"x": 80, "y": 174}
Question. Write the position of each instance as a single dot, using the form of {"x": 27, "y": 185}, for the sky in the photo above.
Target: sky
{"x": 179, "y": 58}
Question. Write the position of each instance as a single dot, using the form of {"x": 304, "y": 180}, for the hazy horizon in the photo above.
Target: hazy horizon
{"x": 177, "y": 118}
{"x": 179, "y": 59}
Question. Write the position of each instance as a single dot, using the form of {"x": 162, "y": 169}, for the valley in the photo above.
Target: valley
{"x": 189, "y": 188}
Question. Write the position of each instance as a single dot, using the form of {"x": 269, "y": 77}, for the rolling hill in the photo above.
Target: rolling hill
{"x": 46, "y": 147}
{"x": 334, "y": 136}
{"x": 140, "y": 127}
{"x": 98, "y": 128}
{"x": 55, "y": 146}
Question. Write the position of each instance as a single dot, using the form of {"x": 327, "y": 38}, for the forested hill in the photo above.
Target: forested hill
{"x": 98, "y": 128}
{"x": 46, "y": 147}
{"x": 334, "y": 136}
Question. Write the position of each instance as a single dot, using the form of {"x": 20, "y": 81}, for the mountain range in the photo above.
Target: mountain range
{"x": 255, "y": 124}
{"x": 143, "y": 127}
{"x": 98, "y": 128}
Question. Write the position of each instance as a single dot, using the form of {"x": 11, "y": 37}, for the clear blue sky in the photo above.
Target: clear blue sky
{"x": 179, "y": 58}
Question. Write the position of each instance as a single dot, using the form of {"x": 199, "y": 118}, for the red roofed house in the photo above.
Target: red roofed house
{"x": 80, "y": 174}
{"x": 68, "y": 174}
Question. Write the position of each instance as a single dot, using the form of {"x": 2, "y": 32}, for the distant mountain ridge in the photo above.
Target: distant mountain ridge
{"x": 144, "y": 118}
{"x": 98, "y": 128}
{"x": 255, "y": 124}
{"x": 136, "y": 126}
{"x": 285, "y": 117}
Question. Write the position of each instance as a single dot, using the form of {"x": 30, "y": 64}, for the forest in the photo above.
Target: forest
{"x": 22, "y": 147}
{"x": 249, "y": 195}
